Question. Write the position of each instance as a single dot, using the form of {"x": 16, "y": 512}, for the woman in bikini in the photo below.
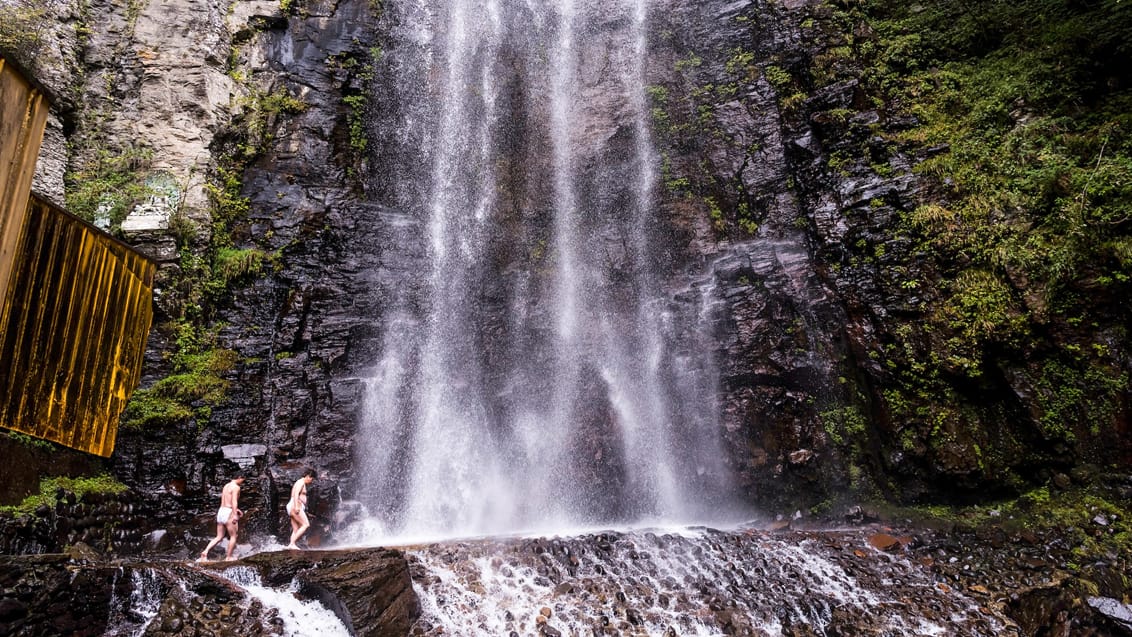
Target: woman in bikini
{"x": 297, "y": 508}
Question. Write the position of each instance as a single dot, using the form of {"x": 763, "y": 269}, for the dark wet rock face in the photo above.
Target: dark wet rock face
{"x": 38, "y": 594}
{"x": 369, "y": 589}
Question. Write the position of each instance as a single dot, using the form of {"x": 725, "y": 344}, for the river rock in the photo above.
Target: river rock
{"x": 369, "y": 589}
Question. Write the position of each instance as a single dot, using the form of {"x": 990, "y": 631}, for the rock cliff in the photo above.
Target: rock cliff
{"x": 783, "y": 196}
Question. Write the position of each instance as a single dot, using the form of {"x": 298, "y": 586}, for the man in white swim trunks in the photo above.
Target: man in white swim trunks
{"x": 297, "y": 508}
{"x": 227, "y": 518}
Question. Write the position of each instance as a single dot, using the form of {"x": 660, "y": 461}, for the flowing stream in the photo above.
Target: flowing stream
{"x": 528, "y": 379}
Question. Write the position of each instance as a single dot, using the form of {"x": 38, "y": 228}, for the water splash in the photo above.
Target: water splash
{"x": 130, "y": 616}
{"x": 301, "y": 617}
{"x": 664, "y": 583}
{"x": 529, "y": 381}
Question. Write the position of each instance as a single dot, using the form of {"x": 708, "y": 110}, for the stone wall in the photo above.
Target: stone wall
{"x": 109, "y": 523}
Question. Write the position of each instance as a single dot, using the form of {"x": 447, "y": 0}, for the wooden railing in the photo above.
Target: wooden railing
{"x": 76, "y": 304}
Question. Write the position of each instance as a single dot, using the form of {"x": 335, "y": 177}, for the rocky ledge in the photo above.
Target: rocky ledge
{"x": 80, "y": 593}
{"x": 869, "y": 576}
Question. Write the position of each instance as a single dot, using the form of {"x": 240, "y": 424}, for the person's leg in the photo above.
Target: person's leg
{"x": 216, "y": 540}
{"x": 233, "y": 531}
{"x": 299, "y": 524}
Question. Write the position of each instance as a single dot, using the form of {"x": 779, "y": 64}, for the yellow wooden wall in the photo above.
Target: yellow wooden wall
{"x": 81, "y": 305}
{"x": 75, "y": 304}
{"x": 23, "y": 116}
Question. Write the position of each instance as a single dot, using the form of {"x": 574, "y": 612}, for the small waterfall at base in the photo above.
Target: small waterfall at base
{"x": 167, "y": 598}
{"x": 131, "y": 616}
{"x": 528, "y": 379}
{"x": 684, "y": 583}
{"x": 300, "y": 617}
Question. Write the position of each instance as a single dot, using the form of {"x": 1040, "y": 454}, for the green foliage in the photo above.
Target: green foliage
{"x": 1039, "y": 170}
{"x": 693, "y": 61}
{"x": 979, "y": 310}
{"x": 192, "y": 390}
{"x": 229, "y": 205}
{"x": 109, "y": 184}
{"x": 133, "y": 12}
{"x": 741, "y": 63}
{"x": 356, "y": 115}
{"x": 846, "y": 426}
{"x": 1024, "y": 110}
{"x": 1073, "y": 513}
{"x": 359, "y": 69}
{"x": 29, "y": 441}
{"x": 80, "y": 486}
{"x": 231, "y": 265}
{"x": 149, "y": 409}
{"x": 261, "y": 117}
{"x": 1076, "y": 394}
{"x": 24, "y": 26}
{"x": 778, "y": 77}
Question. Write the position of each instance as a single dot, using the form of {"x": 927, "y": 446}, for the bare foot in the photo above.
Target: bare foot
{"x": 293, "y": 547}
{"x": 231, "y": 558}
{"x": 203, "y": 557}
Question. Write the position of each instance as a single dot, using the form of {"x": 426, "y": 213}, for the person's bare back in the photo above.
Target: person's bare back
{"x": 227, "y": 518}
{"x": 230, "y": 496}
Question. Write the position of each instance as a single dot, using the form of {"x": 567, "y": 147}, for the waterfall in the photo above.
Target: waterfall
{"x": 299, "y": 617}
{"x": 686, "y": 582}
{"x": 529, "y": 377}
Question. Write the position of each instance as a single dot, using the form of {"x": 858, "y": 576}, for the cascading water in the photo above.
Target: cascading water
{"x": 692, "y": 582}
{"x": 528, "y": 379}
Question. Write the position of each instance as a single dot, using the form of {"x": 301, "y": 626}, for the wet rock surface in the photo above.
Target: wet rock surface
{"x": 369, "y": 589}
{"x": 83, "y": 593}
{"x": 696, "y": 582}
{"x": 1034, "y": 578}
{"x": 866, "y": 580}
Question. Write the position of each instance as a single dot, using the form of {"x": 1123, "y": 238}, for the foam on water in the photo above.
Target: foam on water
{"x": 301, "y": 617}
{"x": 131, "y": 616}
{"x": 701, "y": 583}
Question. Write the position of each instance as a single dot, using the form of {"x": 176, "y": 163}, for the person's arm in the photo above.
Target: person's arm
{"x": 236, "y": 501}
{"x": 296, "y": 489}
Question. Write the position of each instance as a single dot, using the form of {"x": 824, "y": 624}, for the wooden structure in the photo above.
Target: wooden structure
{"x": 75, "y": 303}
{"x": 22, "y": 121}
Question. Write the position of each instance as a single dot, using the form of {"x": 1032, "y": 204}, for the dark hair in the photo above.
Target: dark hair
{"x": 309, "y": 472}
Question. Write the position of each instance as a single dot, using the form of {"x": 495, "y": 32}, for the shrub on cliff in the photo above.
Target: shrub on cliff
{"x": 23, "y": 27}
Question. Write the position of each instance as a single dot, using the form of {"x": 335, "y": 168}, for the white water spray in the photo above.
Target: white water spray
{"x": 526, "y": 382}
{"x": 301, "y": 617}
